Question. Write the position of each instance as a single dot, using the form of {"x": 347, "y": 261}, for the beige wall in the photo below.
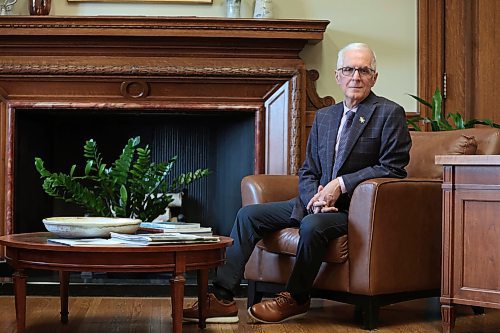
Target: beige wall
{"x": 389, "y": 26}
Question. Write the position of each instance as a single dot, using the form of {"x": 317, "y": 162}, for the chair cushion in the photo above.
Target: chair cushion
{"x": 285, "y": 242}
{"x": 426, "y": 145}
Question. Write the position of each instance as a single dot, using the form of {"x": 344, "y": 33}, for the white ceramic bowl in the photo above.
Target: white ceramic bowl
{"x": 87, "y": 227}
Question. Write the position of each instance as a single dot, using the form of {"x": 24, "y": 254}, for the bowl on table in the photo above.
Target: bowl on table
{"x": 88, "y": 227}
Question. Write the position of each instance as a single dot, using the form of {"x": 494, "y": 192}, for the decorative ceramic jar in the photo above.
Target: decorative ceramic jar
{"x": 39, "y": 7}
{"x": 263, "y": 9}
{"x": 233, "y": 8}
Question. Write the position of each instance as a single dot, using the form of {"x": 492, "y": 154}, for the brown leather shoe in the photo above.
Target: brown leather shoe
{"x": 282, "y": 307}
{"x": 218, "y": 311}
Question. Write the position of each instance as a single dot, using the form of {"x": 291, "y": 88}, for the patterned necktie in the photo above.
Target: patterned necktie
{"x": 342, "y": 142}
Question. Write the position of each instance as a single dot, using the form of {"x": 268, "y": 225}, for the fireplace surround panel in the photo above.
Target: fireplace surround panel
{"x": 243, "y": 73}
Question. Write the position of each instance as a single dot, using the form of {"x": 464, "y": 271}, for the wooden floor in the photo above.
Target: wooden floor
{"x": 138, "y": 315}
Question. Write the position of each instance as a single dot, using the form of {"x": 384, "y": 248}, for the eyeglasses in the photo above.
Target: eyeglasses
{"x": 363, "y": 71}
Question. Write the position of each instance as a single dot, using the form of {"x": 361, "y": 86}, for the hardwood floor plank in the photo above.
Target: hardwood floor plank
{"x": 153, "y": 315}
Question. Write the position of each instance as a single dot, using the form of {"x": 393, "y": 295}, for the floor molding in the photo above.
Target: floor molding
{"x": 45, "y": 283}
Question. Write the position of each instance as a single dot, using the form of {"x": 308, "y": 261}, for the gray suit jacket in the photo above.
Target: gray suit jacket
{"x": 378, "y": 146}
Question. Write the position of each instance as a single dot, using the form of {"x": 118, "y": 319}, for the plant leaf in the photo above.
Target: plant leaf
{"x": 413, "y": 123}
{"x": 457, "y": 120}
{"x": 121, "y": 166}
{"x": 436, "y": 104}
{"x": 123, "y": 196}
{"x": 88, "y": 167}
{"x": 424, "y": 102}
{"x": 102, "y": 168}
{"x": 41, "y": 168}
{"x": 488, "y": 122}
{"x": 72, "y": 170}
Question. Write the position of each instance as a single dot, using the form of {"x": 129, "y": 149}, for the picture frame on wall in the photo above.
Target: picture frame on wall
{"x": 172, "y": 1}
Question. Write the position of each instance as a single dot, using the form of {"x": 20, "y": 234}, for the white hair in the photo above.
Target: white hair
{"x": 356, "y": 46}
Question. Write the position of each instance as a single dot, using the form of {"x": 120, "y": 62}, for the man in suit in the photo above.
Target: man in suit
{"x": 363, "y": 137}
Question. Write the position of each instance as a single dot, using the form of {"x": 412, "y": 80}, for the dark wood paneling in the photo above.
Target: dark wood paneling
{"x": 430, "y": 48}
{"x": 460, "y": 38}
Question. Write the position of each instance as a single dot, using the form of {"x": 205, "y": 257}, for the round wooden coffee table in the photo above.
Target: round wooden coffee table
{"x": 32, "y": 250}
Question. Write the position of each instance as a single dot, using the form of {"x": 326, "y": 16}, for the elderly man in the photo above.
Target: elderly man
{"x": 365, "y": 136}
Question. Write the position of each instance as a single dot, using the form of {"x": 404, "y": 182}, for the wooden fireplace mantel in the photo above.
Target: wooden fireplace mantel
{"x": 157, "y": 36}
{"x": 162, "y": 64}
{"x": 181, "y": 26}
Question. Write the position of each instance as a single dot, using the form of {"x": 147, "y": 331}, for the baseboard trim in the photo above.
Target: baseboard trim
{"x": 108, "y": 287}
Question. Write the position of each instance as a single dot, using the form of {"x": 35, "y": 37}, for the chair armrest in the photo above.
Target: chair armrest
{"x": 267, "y": 188}
{"x": 395, "y": 236}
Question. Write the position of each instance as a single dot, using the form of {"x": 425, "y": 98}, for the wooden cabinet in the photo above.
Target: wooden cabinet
{"x": 471, "y": 233}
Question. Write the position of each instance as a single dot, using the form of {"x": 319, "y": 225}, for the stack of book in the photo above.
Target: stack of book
{"x": 162, "y": 238}
{"x": 175, "y": 227}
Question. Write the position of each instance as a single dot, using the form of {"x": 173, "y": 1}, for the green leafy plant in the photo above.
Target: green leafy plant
{"x": 440, "y": 122}
{"x": 132, "y": 186}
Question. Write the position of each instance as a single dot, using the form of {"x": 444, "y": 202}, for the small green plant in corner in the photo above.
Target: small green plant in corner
{"x": 439, "y": 122}
{"x": 132, "y": 186}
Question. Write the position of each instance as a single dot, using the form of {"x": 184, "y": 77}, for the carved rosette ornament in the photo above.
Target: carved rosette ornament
{"x": 134, "y": 89}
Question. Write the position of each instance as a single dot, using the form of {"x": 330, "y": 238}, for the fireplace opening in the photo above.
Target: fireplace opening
{"x": 220, "y": 141}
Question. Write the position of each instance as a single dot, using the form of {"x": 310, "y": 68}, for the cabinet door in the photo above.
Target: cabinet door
{"x": 476, "y": 259}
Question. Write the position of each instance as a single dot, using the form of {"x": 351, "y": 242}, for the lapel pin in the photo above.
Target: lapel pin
{"x": 362, "y": 120}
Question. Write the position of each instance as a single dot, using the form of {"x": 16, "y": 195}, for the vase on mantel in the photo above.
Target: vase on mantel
{"x": 39, "y": 7}
{"x": 263, "y": 9}
{"x": 233, "y": 8}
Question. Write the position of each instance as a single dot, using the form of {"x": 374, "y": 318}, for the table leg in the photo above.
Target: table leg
{"x": 177, "y": 282}
{"x": 19, "y": 278}
{"x": 448, "y": 318}
{"x": 202, "y": 277}
{"x": 63, "y": 294}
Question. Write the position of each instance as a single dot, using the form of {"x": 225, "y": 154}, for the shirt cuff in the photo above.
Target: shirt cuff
{"x": 342, "y": 185}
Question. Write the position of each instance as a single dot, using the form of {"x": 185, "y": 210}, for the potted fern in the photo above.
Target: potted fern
{"x": 440, "y": 122}
{"x": 131, "y": 187}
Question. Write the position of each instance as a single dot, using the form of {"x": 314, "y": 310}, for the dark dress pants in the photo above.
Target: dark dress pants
{"x": 255, "y": 221}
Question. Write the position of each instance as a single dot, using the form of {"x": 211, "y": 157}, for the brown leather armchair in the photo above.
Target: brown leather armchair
{"x": 392, "y": 251}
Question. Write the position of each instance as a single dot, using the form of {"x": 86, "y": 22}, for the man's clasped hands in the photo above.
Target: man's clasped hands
{"x": 324, "y": 200}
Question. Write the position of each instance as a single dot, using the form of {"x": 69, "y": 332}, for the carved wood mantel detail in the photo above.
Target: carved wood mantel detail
{"x": 164, "y": 64}
{"x": 19, "y": 68}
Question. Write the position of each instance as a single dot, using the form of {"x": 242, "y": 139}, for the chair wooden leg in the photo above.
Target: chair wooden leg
{"x": 358, "y": 314}
{"x": 254, "y": 296}
{"x": 369, "y": 314}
